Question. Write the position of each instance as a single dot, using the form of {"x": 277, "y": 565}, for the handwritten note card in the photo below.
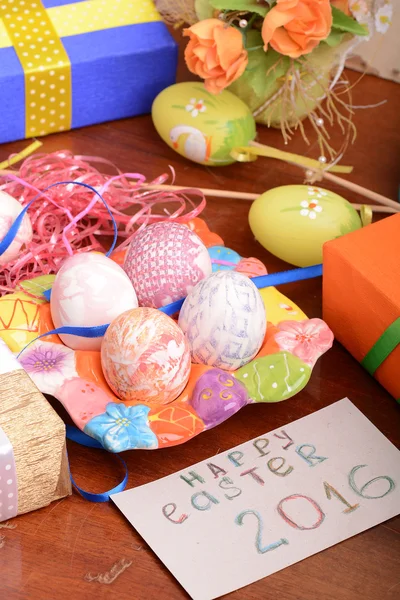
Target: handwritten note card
{"x": 262, "y": 506}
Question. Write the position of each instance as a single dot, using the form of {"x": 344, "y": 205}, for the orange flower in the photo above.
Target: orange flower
{"x": 296, "y": 27}
{"x": 215, "y": 53}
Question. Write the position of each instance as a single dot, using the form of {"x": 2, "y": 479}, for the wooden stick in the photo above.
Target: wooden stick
{"x": 206, "y": 191}
{"x": 246, "y": 196}
{"x": 358, "y": 189}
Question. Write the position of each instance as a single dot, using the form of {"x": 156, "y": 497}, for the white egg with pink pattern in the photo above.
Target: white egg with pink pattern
{"x": 164, "y": 262}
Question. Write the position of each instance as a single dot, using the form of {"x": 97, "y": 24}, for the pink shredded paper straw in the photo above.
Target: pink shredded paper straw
{"x": 68, "y": 218}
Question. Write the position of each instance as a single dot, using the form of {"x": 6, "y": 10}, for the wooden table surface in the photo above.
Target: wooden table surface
{"x": 49, "y": 553}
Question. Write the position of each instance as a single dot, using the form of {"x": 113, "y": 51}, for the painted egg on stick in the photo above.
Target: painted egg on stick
{"x": 145, "y": 357}
{"x": 164, "y": 262}
{"x": 224, "y": 320}
{"x": 201, "y": 126}
{"x": 10, "y": 208}
{"x": 89, "y": 290}
{"x": 294, "y": 221}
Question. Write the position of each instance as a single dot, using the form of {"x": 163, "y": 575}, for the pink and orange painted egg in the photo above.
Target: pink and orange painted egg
{"x": 145, "y": 357}
{"x": 164, "y": 262}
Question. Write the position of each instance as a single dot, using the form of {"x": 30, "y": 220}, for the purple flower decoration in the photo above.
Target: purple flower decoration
{"x": 49, "y": 365}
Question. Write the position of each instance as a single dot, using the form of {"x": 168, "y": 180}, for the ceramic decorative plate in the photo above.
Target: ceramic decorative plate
{"x": 292, "y": 345}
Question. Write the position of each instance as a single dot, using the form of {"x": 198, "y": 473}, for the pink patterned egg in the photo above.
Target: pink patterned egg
{"x": 252, "y": 267}
{"x": 145, "y": 357}
{"x": 90, "y": 289}
{"x": 164, "y": 262}
{"x": 9, "y": 211}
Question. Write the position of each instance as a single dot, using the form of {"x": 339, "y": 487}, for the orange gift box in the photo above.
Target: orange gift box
{"x": 361, "y": 297}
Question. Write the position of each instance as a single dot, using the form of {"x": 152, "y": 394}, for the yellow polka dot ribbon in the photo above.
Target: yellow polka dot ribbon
{"x": 45, "y": 63}
{"x": 35, "y": 33}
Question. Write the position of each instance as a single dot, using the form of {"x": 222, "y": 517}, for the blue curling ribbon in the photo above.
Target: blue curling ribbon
{"x": 12, "y": 232}
{"x": 262, "y": 281}
{"x": 273, "y": 279}
{"x": 172, "y": 308}
{"x": 76, "y": 435}
{"x": 87, "y": 332}
{"x": 47, "y": 294}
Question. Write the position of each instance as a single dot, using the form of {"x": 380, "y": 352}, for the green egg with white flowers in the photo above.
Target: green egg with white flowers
{"x": 294, "y": 221}
{"x": 200, "y": 126}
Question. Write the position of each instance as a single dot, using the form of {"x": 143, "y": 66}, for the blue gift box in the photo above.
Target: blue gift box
{"x": 116, "y": 73}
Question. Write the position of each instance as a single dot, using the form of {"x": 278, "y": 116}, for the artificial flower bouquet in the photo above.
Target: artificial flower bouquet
{"x": 282, "y": 57}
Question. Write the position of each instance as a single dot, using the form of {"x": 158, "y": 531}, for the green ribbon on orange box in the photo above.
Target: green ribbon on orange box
{"x": 385, "y": 345}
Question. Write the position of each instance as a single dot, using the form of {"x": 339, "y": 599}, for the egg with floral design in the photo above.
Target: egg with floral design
{"x": 145, "y": 357}
{"x": 224, "y": 320}
{"x": 164, "y": 262}
{"x": 294, "y": 221}
{"x": 10, "y": 208}
{"x": 89, "y": 290}
{"x": 201, "y": 126}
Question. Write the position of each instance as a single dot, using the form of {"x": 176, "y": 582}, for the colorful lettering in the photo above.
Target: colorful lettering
{"x": 290, "y": 521}
{"x": 285, "y": 436}
{"x": 260, "y": 445}
{"x": 210, "y": 501}
{"x": 168, "y": 513}
{"x": 258, "y": 542}
{"x": 360, "y": 491}
{"x": 275, "y": 469}
{"x": 216, "y": 470}
{"x": 310, "y": 457}
{"x": 228, "y": 481}
{"x": 235, "y": 456}
{"x": 331, "y": 491}
{"x": 193, "y": 477}
{"x": 254, "y": 475}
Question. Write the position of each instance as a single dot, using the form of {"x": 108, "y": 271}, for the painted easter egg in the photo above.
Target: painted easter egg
{"x": 9, "y": 211}
{"x": 145, "y": 357}
{"x": 252, "y": 267}
{"x": 274, "y": 377}
{"x": 164, "y": 262}
{"x": 224, "y": 320}
{"x": 217, "y": 396}
{"x": 89, "y": 290}
{"x": 200, "y": 126}
{"x": 294, "y": 221}
{"x": 223, "y": 258}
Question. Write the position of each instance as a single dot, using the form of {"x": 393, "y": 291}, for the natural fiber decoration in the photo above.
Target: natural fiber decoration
{"x": 305, "y": 92}
{"x": 37, "y": 436}
{"x": 283, "y": 88}
{"x": 177, "y": 13}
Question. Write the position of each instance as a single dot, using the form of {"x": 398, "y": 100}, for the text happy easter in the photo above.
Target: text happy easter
{"x": 230, "y": 467}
